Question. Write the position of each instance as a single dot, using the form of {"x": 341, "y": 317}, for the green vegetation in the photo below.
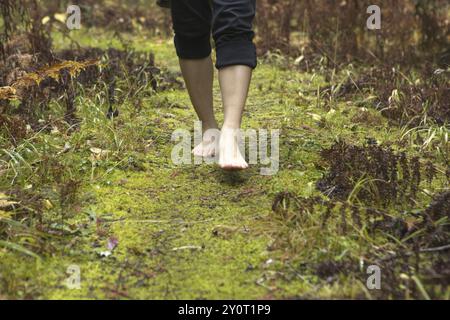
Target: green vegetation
{"x": 363, "y": 180}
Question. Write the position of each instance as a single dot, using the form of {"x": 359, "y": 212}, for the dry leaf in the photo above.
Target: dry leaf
{"x": 4, "y": 214}
{"x": 35, "y": 78}
{"x": 7, "y": 93}
{"x": 99, "y": 153}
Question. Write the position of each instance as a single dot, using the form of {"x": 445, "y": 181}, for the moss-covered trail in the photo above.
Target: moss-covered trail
{"x": 192, "y": 232}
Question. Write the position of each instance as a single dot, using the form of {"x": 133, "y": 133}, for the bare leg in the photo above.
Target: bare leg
{"x": 234, "y": 84}
{"x": 198, "y": 75}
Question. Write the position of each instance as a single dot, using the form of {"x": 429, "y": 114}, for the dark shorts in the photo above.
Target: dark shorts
{"x": 230, "y": 22}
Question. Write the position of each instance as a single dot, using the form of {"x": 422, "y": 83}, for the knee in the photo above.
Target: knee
{"x": 233, "y": 34}
{"x": 192, "y": 28}
{"x": 234, "y": 22}
{"x": 192, "y": 41}
{"x": 192, "y": 47}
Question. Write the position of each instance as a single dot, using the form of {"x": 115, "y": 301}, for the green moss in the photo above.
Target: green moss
{"x": 154, "y": 208}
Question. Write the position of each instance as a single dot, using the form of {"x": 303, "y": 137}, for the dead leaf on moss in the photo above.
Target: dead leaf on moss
{"x": 4, "y": 214}
{"x": 7, "y": 93}
{"x": 98, "y": 153}
{"x": 35, "y": 78}
{"x": 5, "y": 203}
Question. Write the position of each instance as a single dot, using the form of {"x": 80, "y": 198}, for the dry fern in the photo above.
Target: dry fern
{"x": 35, "y": 78}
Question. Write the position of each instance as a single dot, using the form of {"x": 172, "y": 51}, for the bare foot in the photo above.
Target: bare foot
{"x": 230, "y": 157}
{"x": 209, "y": 146}
{"x": 205, "y": 149}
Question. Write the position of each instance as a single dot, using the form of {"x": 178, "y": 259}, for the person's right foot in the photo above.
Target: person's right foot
{"x": 208, "y": 148}
{"x": 230, "y": 157}
{"x": 205, "y": 149}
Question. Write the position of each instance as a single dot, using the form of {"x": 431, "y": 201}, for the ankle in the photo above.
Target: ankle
{"x": 209, "y": 126}
{"x": 231, "y": 126}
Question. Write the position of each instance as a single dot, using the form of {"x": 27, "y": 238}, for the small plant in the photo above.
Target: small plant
{"x": 371, "y": 174}
{"x": 396, "y": 243}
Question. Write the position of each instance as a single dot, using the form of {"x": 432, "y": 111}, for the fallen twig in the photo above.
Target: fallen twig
{"x": 187, "y": 248}
{"x": 435, "y": 249}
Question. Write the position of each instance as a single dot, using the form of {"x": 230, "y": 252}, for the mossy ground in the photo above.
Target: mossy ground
{"x": 194, "y": 231}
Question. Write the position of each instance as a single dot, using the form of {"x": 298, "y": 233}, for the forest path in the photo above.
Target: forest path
{"x": 194, "y": 231}
{"x": 153, "y": 230}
